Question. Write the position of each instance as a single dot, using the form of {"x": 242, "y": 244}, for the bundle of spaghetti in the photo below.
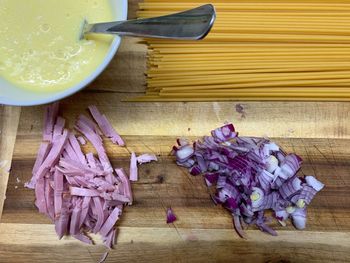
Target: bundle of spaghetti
{"x": 257, "y": 50}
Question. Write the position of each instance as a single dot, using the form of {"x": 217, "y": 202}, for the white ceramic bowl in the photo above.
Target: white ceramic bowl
{"x": 12, "y": 95}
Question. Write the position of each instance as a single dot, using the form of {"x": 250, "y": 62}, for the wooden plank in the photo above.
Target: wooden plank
{"x": 147, "y": 244}
{"x": 125, "y": 72}
{"x": 9, "y": 118}
{"x": 272, "y": 119}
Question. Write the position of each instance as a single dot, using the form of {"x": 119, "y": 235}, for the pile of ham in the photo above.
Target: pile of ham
{"x": 81, "y": 193}
{"x": 249, "y": 176}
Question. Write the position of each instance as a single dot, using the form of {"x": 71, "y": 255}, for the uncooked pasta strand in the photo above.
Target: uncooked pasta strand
{"x": 257, "y": 50}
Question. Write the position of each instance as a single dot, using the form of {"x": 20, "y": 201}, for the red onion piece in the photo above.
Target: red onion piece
{"x": 184, "y": 153}
{"x": 314, "y": 183}
{"x": 299, "y": 218}
{"x": 170, "y": 216}
{"x": 238, "y": 226}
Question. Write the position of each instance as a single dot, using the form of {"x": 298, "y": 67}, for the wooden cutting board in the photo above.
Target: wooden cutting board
{"x": 319, "y": 132}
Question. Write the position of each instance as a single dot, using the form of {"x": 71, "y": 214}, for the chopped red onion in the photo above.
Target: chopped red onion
{"x": 265, "y": 179}
{"x": 224, "y": 133}
{"x": 257, "y": 197}
{"x": 290, "y": 188}
{"x": 250, "y": 175}
{"x": 238, "y": 226}
{"x": 306, "y": 195}
{"x": 170, "y": 216}
{"x": 271, "y": 164}
{"x": 314, "y": 183}
{"x": 182, "y": 142}
{"x": 282, "y": 215}
{"x": 211, "y": 178}
{"x": 195, "y": 170}
{"x": 299, "y": 218}
{"x": 184, "y": 153}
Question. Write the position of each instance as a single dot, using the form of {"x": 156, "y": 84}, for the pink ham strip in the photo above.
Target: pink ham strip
{"x": 83, "y": 181}
{"x": 40, "y": 200}
{"x": 115, "y": 197}
{"x": 58, "y": 192}
{"x": 75, "y": 218}
{"x": 70, "y": 179}
{"x": 73, "y": 166}
{"x": 65, "y": 154}
{"x": 50, "y": 116}
{"x": 61, "y": 224}
{"x": 126, "y": 184}
{"x": 83, "y": 238}
{"x": 76, "y": 147}
{"x": 102, "y": 185}
{"x": 105, "y": 126}
{"x": 133, "y": 168}
{"x": 91, "y": 160}
{"x": 84, "y": 192}
{"x": 146, "y": 158}
{"x": 49, "y": 197}
{"x": 54, "y": 155}
{"x": 84, "y": 210}
{"x": 109, "y": 240}
{"x": 110, "y": 203}
{"x": 99, "y": 213}
{"x": 96, "y": 141}
{"x": 110, "y": 222}
{"x": 69, "y": 152}
{"x": 44, "y": 149}
{"x": 89, "y": 222}
{"x": 93, "y": 126}
{"x": 81, "y": 140}
{"x": 58, "y": 128}
{"x": 109, "y": 178}
{"x": 104, "y": 257}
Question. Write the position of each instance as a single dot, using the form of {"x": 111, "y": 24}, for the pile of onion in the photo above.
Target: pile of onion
{"x": 248, "y": 176}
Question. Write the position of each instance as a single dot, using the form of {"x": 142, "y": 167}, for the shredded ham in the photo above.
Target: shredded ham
{"x": 133, "y": 168}
{"x": 50, "y": 116}
{"x": 105, "y": 126}
{"x": 81, "y": 140}
{"x": 146, "y": 158}
{"x": 80, "y": 193}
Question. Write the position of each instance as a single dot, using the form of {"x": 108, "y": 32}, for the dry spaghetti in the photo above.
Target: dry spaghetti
{"x": 257, "y": 50}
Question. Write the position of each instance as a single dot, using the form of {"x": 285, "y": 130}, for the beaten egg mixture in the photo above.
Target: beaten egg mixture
{"x": 40, "y": 48}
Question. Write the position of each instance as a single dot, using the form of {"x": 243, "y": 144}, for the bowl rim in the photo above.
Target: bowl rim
{"x": 84, "y": 83}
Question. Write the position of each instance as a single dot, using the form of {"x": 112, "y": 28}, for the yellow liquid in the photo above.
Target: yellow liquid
{"x": 40, "y": 48}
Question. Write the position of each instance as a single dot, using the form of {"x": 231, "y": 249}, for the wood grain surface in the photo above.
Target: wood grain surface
{"x": 319, "y": 132}
{"x": 9, "y": 118}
